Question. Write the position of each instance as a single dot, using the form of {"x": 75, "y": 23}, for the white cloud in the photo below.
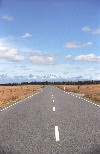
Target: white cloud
{"x": 42, "y": 59}
{"x": 10, "y": 54}
{"x": 7, "y": 17}
{"x": 88, "y": 57}
{"x": 76, "y": 45}
{"x": 86, "y": 29}
{"x": 26, "y": 35}
{"x": 96, "y": 31}
{"x": 88, "y": 44}
{"x": 68, "y": 57}
{"x": 8, "y": 51}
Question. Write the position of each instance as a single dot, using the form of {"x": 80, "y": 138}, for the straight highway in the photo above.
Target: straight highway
{"x": 50, "y": 122}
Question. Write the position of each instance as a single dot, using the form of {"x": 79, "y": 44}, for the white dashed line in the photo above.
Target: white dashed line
{"x": 53, "y": 108}
{"x": 56, "y": 133}
{"x": 83, "y": 99}
{"x": 91, "y": 102}
{"x": 53, "y": 101}
{"x": 17, "y": 102}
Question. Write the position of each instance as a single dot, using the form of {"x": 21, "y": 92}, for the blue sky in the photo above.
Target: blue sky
{"x": 49, "y": 40}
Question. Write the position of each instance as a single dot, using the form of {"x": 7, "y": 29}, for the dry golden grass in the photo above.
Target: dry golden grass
{"x": 90, "y": 91}
{"x": 10, "y": 94}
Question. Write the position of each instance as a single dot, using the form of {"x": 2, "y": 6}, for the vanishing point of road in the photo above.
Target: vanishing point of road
{"x": 50, "y": 122}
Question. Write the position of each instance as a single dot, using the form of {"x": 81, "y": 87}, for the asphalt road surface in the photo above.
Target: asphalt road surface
{"x": 50, "y": 122}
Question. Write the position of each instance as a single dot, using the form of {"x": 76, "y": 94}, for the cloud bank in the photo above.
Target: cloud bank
{"x": 10, "y": 54}
{"x": 76, "y": 45}
{"x": 42, "y": 59}
{"x": 88, "y": 57}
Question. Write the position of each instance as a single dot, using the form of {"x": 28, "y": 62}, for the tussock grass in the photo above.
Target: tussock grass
{"x": 11, "y": 94}
{"x": 92, "y": 92}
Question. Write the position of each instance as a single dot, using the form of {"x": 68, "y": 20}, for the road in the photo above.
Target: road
{"x": 50, "y": 122}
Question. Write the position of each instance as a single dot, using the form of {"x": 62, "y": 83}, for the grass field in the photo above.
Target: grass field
{"x": 10, "y": 94}
{"x": 91, "y": 91}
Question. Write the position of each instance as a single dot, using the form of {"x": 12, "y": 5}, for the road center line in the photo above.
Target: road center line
{"x": 53, "y": 100}
{"x": 57, "y": 133}
{"x": 53, "y": 108}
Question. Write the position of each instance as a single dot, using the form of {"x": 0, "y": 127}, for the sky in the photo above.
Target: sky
{"x": 49, "y": 40}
